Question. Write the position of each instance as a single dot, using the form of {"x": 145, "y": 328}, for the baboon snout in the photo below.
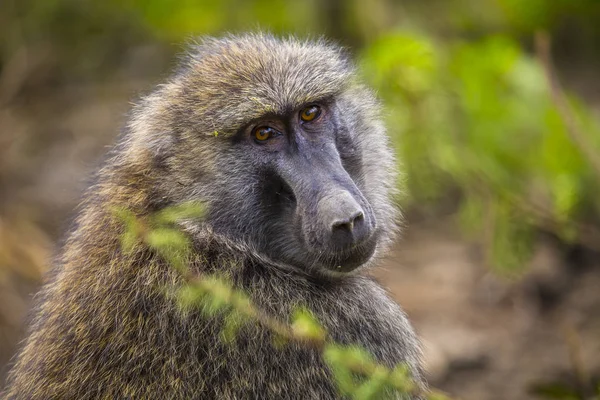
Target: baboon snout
{"x": 344, "y": 220}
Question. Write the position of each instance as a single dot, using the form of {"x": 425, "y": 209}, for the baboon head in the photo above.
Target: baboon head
{"x": 282, "y": 143}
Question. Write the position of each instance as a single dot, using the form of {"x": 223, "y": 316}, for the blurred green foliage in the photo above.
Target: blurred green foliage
{"x": 468, "y": 106}
{"x": 477, "y": 117}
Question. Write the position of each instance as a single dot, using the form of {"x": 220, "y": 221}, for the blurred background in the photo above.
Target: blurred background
{"x": 493, "y": 107}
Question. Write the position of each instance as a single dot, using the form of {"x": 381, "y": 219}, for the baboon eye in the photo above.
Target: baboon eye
{"x": 263, "y": 133}
{"x": 310, "y": 113}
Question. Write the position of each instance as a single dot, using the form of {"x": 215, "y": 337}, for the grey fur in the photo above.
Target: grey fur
{"x": 104, "y": 327}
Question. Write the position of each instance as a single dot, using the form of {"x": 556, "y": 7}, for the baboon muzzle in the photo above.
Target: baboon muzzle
{"x": 336, "y": 218}
{"x": 343, "y": 219}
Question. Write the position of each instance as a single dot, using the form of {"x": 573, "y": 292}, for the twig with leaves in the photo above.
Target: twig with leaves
{"x": 213, "y": 294}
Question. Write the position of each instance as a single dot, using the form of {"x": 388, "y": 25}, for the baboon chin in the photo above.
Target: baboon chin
{"x": 285, "y": 148}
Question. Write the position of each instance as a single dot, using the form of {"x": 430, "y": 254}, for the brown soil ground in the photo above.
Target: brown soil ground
{"x": 489, "y": 338}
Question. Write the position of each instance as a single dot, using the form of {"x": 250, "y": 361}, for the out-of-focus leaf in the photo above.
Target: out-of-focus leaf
{"x": 405, "y": 62}
{"x": 190, "y": 296}
{"x": 233, "y": 323}
{"x": 172, "y": 244}
{"x": 177, "y": 213}
{"x": 306, "y": 326}
{"x": 334, "y": 356}
{"x": 555, "y": 391}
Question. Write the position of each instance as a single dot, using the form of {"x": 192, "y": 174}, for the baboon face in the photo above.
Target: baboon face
{"x": 286, "y": 150}
{"x": 306, "y": 182}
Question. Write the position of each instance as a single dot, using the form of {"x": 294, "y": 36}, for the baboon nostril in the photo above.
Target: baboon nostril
{"x": 348, "y": 223}
{"x": 358, "y": 217}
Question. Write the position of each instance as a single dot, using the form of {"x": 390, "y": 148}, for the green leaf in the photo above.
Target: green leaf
{"x": 374, "y": 385}
{"x": 178, "y": 213}
{"x": 334, "y": 357}
{"x": 402, "y": 379}
{"x": 306, "y": 326}
{"x": 356, "y": 356}
{"x": 171, "y": 244}
{"x": 129, "y": 239}
{"x": 189, "y": 296}
{"x": 233, "y": 323}
{"x": 132, "y": 229}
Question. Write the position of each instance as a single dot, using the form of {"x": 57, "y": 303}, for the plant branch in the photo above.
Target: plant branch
{"x": 161, "y": 234}
{"x": 543, "y": 47}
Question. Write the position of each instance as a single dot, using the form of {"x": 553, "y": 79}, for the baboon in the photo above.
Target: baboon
{"x": 286, "y": 149}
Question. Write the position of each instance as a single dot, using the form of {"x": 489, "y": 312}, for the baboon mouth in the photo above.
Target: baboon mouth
{"x": 351, "y": 259}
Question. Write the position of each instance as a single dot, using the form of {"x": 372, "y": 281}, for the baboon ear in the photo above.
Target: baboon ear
{"x": 154, "y": 142}
{"x": 149, "y": 130}
{"x": 160, "y": 146}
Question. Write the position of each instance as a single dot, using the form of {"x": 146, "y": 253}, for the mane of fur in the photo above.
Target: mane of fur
{"x": 105, "y": 326}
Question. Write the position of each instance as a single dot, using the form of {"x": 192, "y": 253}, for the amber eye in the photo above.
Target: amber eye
{"x": 263, "y": 133}
{"x": 310, "y": 113}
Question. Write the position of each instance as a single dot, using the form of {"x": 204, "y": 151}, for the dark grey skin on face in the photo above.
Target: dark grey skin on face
{"x": 315, "y": 215}
{"x": 285, "y": 147}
